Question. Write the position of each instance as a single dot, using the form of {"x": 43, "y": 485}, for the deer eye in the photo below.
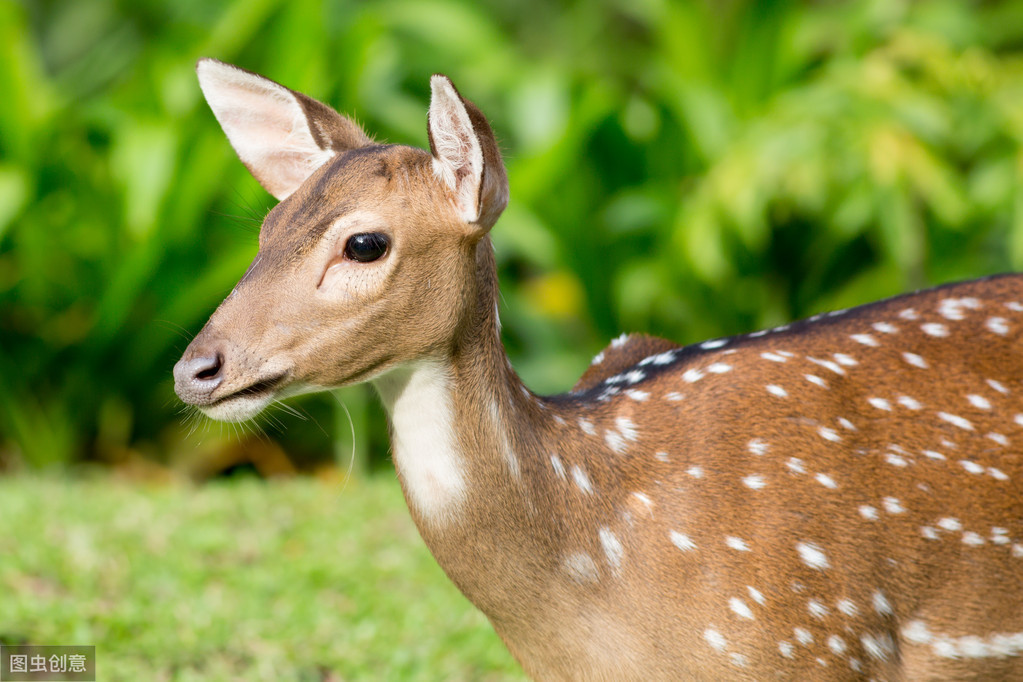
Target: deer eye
{"x": 366, "y": 246}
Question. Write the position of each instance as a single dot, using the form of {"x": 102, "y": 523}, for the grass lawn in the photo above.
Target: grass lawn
{"x": 242, "y": 580}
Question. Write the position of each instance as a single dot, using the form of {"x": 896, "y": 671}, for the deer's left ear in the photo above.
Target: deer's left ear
{"x": 465, "y": 155}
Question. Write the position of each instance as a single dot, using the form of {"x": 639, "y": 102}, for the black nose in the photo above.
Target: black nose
{"x": 197, "y": 377}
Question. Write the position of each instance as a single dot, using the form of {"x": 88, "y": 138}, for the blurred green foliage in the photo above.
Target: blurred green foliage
{"x": 690, "y": 169}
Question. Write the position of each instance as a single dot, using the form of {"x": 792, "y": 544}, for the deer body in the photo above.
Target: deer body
{"x": 838, "y": 499}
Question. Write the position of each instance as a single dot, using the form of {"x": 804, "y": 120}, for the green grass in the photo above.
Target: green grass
{"x": 292, "y": 580}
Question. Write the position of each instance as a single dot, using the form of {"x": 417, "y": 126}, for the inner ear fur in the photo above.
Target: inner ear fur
{"x": 281, "y": 136}
{"x": 465, "y": 155}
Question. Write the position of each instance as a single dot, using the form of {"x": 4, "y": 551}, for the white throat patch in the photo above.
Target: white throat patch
{"x": 418, "y": 399}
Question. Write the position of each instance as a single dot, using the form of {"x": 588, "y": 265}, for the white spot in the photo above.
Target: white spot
{"x": 635, "y": 376}
{"x": 737, "y": 543}
{"x": 645, "y": 501}
{"x": 662, "y": 456}
{"x": 951, "y": 309}
{"x": 896, "y": 460}
{"x": 756, "y": 595}
{"x": 998, "y": 386}
{"x": 916, "y": 631}
{"x": 971, "y": 467}
{"x": 868, "y": 512}
{"x": 740, "y": 609}
{"x": 682, "y": 541}
{"x": 627, "y": 428}
{"x": 715, "y": 639}
{"x": 581, "y": 480}
{"x": 934, "y": 455}
{"x": 829, "y": 434}
{"x": 973, "y": 539}
{"x": 950, "y": 524}
{"x": 998, "y": 474}
{"x": 999, "y": 645}
{"x": 714, "y": 343}
{"x": 673, "y": 396}
{"x": 758, "y": 446}
{"x": 738, "y": 659}
{"x": 879, "y": 647}
{"x": 934, "y": 329}
{"x": 885, "y": 328}
{"x": 845, "y": 360}
{"x": 956, "y": 420}
{"x": 880, "y": 403}
{"x": 999, "y": 536}
{"x": 812, "y": 555}
{"x": 612, "y": 548}
{"x": 796, "y": 465}
{"x": 892, "y": 505}
{"x": 814, "y": 379}
{"x": 719, "y": 368}
{"x": 979, "y": 401}
{"x": 695, "y": 471}
{"x": 776, "y": 390}
{"x": 620, "y": 341}
{"x": 865, "y": 339}
{"x": 587, "y": 426}
{"x": 845, "y": 423}
{"x": 665, "y": 358}
{"x": 692, "y": 375}
{"x": 881, "y": 604}
{"x": 836, "y": 644}
{"x": 998, "y": 325}
{"x": 847, "y": 607}
{"x": 598, "y": 358}
{"x": 826, "y": 481}
{"x": 915, "y": 360}
{"x": 638, "y": 396}
{"x": 909, "y": 403}
{"x": 1015, "y": 306}
{"x": 786, "y": 649}
{"x": 817, "y": 609}
{"x": 754, "y": 481}
{"x": 1017, "y": 550}
{"x": 581, "y": 568}
{"x": 559, "y": 468}
{"x": 615, "y": 441}
{"x": 773, "y": 357}
{"x": 929, "y": 533}
{"x": 909, "y": 314}
{"x": 827, "y": 364}
{"x": 803, "y": 636}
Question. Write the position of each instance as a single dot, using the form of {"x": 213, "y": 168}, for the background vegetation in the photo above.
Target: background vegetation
{"x": 689, "y": 169}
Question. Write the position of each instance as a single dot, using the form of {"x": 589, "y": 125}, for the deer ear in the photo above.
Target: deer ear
{"x": 280, "y": 135}
{"x": 465, "y": 155}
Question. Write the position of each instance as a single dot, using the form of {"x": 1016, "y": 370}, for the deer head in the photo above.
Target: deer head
{"x": 362, "y": 262}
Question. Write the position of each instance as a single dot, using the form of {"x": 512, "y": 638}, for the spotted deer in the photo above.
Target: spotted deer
{"x": 838, "y": 498}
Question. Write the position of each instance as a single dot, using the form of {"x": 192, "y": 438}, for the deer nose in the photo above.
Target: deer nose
{"x": 198, "y": 376}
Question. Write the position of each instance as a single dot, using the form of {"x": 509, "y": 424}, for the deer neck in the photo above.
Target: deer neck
{"x": 465, "y": 438}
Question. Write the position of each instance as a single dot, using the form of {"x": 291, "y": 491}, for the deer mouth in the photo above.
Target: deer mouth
{"x": 261, "y": 388}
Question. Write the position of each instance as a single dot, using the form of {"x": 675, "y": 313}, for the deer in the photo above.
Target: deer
{"x": 838, "y": 498}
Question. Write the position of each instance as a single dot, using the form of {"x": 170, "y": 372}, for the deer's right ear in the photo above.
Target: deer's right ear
{"x": 280, "y": 135}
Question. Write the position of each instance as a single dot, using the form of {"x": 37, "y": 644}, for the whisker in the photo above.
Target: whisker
{"x": 351, "y": 425}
